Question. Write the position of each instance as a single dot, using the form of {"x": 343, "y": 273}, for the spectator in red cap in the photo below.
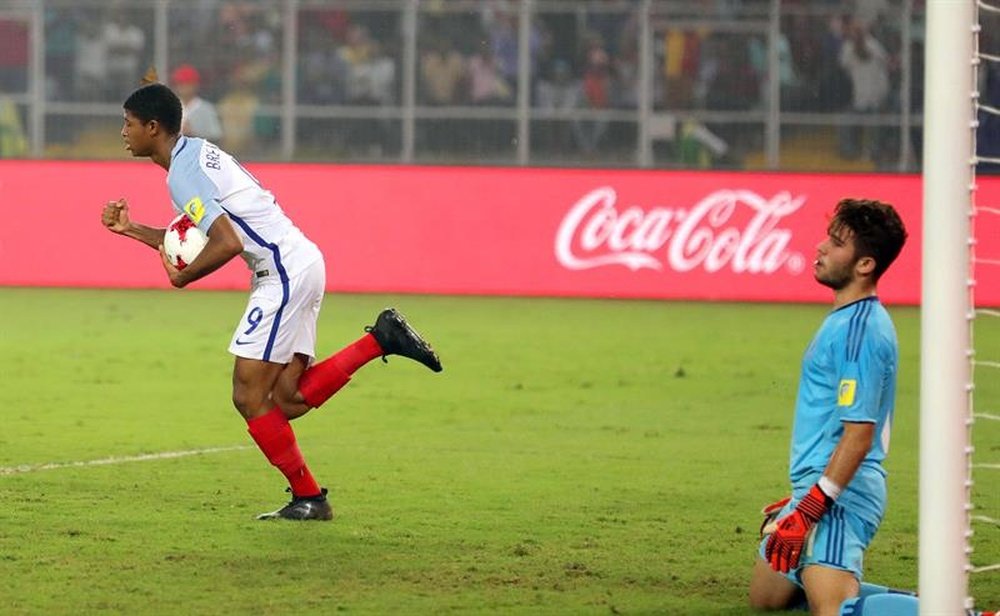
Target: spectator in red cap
{"x": 200, "y": 118}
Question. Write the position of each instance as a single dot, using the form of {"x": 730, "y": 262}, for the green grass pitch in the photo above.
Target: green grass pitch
{"x": 575, "y": 457}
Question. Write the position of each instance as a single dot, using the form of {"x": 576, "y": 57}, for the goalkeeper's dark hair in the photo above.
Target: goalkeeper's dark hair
{"x": 877, "y": 228}
{"x": 156, "y": 102}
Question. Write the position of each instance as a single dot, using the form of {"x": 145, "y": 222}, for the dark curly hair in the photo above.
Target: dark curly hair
{"x": 156, "y": 102}
{"x": 877, "y": 229}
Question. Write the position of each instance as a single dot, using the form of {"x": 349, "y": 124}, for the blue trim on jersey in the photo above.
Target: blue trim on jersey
{"x": 857, "y": 327}
{"x": 282, "y": 274}
{"x": 183, "y": 144}
{"x": 828, "y": 556}
{"x": 834, "y": 548}
{"x": 835, "y": 543}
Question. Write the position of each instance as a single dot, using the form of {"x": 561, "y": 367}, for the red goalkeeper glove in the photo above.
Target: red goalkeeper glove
{"x": 784, "y": 547}
{"x": 770, "y": 514}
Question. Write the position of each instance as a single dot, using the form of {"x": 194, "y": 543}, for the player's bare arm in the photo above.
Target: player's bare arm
{"x": 116, "y": 219}
{"x": 854, "y": 445}
{"x": 223, "y": 244}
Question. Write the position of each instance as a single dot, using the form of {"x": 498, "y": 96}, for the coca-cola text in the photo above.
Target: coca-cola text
{"x": 595, "y": 233}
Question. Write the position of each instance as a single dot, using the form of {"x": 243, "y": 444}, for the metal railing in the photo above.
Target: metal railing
{"x": 759, "y": 127}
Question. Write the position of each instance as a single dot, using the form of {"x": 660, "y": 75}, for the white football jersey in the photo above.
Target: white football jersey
{"x": 206, "y": 182}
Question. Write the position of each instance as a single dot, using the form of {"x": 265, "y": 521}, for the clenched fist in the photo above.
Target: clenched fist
{"x": 115, "y": 216}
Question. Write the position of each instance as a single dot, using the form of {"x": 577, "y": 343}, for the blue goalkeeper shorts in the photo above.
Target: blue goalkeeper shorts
{"x": 838, "y": 541}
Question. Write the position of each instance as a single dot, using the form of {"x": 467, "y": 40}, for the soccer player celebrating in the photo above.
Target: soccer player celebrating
{"x": 274, "y": 379}
{"x": 843, "y": 415}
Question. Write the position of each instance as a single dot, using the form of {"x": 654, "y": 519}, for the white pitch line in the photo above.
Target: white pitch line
{"x": 985, "y": 569}
{"x": 163, "y": 455}
{"x": 987, "y": 519}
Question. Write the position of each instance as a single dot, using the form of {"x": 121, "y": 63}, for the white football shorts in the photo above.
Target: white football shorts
{"x": 280, "y": 319}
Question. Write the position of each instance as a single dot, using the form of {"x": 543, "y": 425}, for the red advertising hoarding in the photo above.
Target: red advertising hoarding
{"x": 506, "y": 231}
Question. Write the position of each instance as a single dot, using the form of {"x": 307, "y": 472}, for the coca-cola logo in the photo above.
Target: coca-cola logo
{"x": 596, "y": 232}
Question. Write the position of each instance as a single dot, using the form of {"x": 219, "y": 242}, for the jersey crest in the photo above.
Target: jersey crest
{"x": 845, "y": 392}
{"x": 195, "y": 209}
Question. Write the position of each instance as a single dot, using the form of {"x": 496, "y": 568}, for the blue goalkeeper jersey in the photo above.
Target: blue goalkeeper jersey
{"x": 848, "y": 375}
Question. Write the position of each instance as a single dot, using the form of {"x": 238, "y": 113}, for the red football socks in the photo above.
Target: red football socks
{"x": 321, "y": 381}
{"x": 273, "y": 434}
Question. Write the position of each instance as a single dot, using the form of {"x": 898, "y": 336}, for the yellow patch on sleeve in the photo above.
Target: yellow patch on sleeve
{"x": 845, "y": 392}
{"x": 195, "y": 209}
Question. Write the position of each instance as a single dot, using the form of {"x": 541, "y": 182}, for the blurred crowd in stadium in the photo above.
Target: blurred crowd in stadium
{"x": 832, "y": 56}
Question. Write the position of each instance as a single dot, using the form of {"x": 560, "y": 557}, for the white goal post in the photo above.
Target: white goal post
{"x": 946, "y": 306}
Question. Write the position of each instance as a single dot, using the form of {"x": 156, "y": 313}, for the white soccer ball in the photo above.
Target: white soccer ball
{"x": 183, "y": 241}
